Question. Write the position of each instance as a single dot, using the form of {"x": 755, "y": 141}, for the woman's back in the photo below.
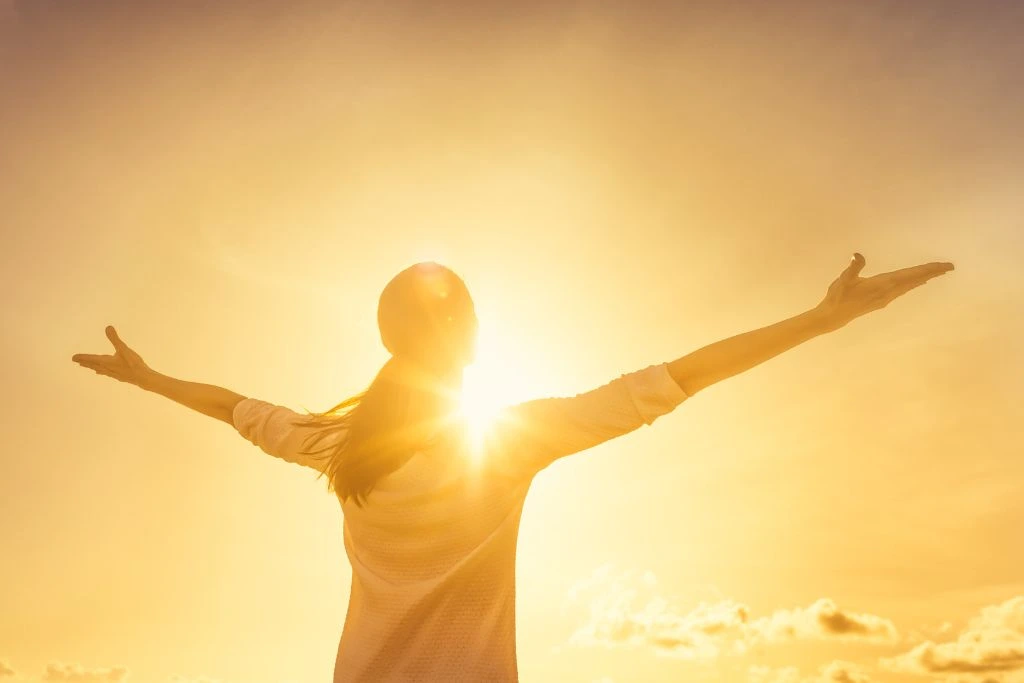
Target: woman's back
{"x": 432, "y": 551}
{"x": 433, "y": 545}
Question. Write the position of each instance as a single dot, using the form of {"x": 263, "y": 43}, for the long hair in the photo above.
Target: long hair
{"x": 427, "y": 322}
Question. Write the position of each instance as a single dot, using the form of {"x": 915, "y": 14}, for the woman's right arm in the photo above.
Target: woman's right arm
{"x": 531, "y": 435}
{"x": 848, "y": 297}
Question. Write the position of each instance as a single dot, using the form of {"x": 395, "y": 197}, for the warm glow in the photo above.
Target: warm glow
{"x": 618, "y": 184}
{"x": 481, "y": 398}
{"x": 491, "y": 383}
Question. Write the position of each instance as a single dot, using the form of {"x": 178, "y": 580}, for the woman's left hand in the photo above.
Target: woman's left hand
{"x": 125, "y": 365}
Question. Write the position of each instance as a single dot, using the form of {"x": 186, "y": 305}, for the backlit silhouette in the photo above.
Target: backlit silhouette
{"x": 430, "y": 525}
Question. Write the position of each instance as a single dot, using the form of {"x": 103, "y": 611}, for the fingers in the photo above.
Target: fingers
{"x": 83, "y": 358}
{"x": 929, "y": 270}
{"x": 853, "y": 270}
{"x": 920, "y": 277}
{"x": 899, "y": 290}
{"x": 103, "y": 371}
{"x": 114, "y": 339}
{"x": 95, "y": 364}
{"x": 921, "y": 273}
{"x": 100, "y": 368}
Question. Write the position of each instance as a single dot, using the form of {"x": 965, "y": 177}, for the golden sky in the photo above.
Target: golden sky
{"x": 231, "y": 185}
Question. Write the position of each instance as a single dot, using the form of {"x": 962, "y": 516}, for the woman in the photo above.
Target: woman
{"x": 429, "y": 527}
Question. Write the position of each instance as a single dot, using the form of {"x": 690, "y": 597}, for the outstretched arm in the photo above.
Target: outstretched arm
{"x": 208, "y": 399}
{"x": 849, "y": 297}
{"x": 125, "y": 365}
{"x": 276, "y": 430}
{"x": 533, "y": 434}
{"x": 731, "y": 356}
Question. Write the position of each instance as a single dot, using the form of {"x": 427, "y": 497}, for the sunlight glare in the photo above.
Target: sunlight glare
{"x": 490, "y": 384}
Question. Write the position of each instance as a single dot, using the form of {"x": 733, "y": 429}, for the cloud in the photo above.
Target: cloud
{"x": 617, "y": 618}
{"x": 6, "y": 670}
{"x": 767, "y": 674}
{"x": 992, "y": 643}
{"x": 824, "y": 619}
{"x": 834, "y": 672}
{"x": 76, "y": 673}
{"x": 624, "y": 611}
{"x": 982, "y": 678}
{"x": 843, "y": 672}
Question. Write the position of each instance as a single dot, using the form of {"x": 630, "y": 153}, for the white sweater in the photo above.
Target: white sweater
{"x": 433, "y": 547}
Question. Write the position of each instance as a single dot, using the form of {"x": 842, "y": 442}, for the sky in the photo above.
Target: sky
{"x": 232, "y": 184}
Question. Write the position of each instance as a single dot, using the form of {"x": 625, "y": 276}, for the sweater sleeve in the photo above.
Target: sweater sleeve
{"x": 530, "y": 436}
{"x": 280, "y": 431}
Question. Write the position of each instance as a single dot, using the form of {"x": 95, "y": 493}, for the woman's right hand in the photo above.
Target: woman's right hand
{"x": 851, "y": 296}
{"x": 125, "y": 365}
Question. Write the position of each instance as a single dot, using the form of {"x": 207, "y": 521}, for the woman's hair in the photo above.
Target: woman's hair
{"x": 428, "y": 324}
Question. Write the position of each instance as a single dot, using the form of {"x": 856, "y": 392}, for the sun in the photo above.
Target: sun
{"x": 481, "y": 400}
{"x": 483, "y": 397}
{"x": 490, "y": 384}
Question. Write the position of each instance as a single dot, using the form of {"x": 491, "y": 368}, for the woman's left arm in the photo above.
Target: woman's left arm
{"x": 208, "y": 399}
{"x": 276, "y": 430}
{"x": 126, "y": 365}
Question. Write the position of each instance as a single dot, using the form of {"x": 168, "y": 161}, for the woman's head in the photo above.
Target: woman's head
{"x": 428, "y": 324}
{"x": 426, "y": 316}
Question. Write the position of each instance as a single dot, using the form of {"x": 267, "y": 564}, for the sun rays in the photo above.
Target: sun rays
{"x": 490, "y": 384}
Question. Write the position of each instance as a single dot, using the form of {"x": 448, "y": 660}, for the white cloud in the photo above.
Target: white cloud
{"x": 619, "y": 615}
{"x": 824, "y": 619}
{"x": 843, "y": 672}
{"x": 76, "y": 673}
{"x": 768, "y": 674}
{"x": 834, "y": 672}
{"x": 992, "y": 644}
{"x": 625, "y": 611}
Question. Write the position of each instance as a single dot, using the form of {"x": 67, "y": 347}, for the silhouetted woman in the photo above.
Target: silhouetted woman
{"x": 429, "y": 527}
